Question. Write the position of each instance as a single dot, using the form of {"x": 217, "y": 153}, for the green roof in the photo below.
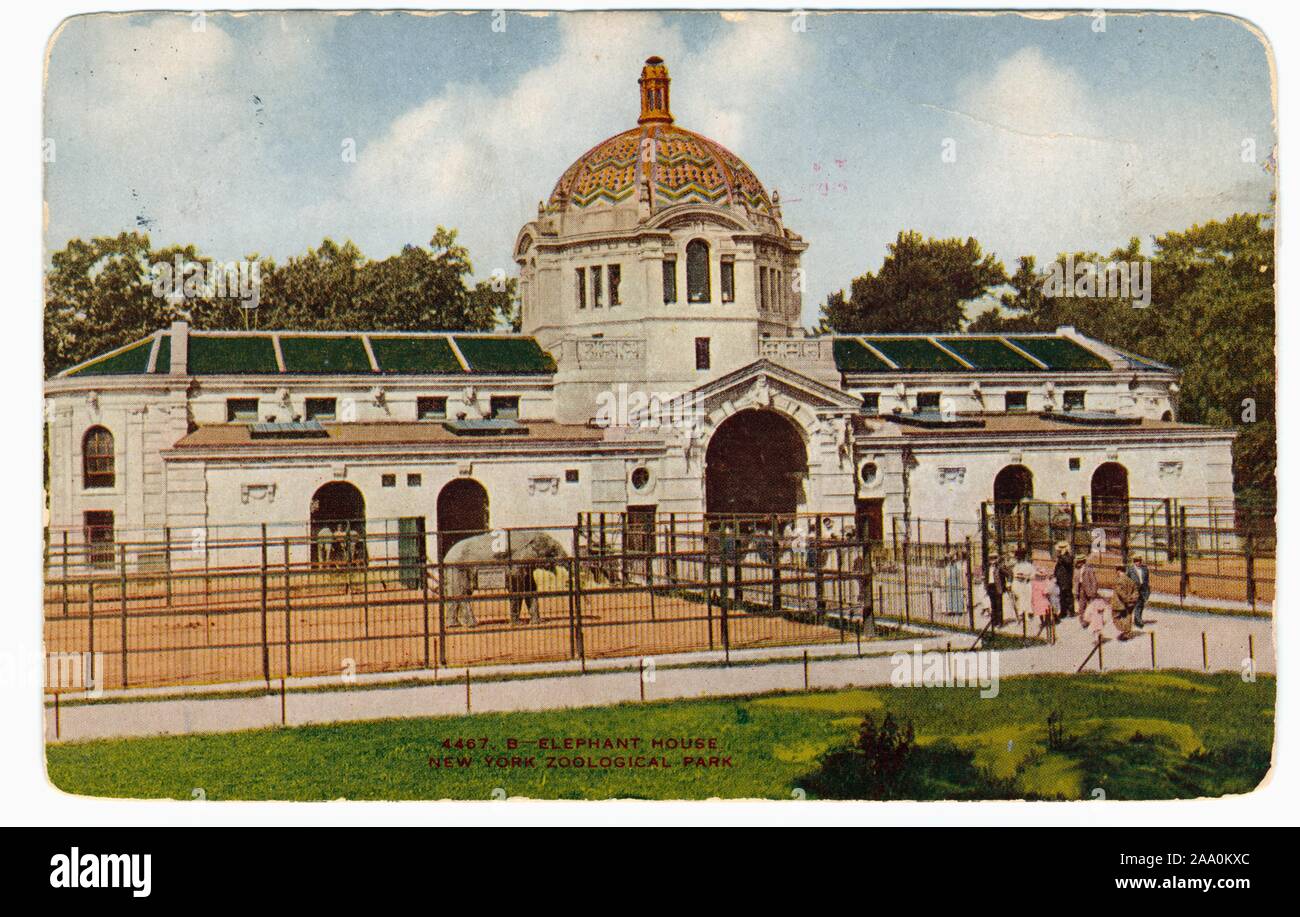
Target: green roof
{"x": 237, "y": 354}
{"x": 304, "y": 352}
{"x": 989, "y": 354}
{"x": 414, "y": 355}
{"x": 852, "y": 357}
{"x": 1060, "y": 353}
{"x": 132, "y": 359}
{"x": 324, "y": 354}
{"x": 504, "y": 355}
{"x": 163, "y": 364}
{"x": 915, "y": 354}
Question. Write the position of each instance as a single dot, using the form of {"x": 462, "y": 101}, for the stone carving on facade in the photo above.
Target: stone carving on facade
{"x": 257, "y": 493}
{"x": 593, "y": 351}
{"x": 1171, "y": 469}
{"x": 543, "y": 484}
{"x": 952, "y": 475}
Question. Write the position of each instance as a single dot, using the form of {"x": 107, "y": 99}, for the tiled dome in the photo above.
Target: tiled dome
{"x": 682, "y": 165}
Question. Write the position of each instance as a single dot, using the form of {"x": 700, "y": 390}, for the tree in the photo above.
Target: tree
{"x": 105, "y": 293}
{"x": 923, "y": 285}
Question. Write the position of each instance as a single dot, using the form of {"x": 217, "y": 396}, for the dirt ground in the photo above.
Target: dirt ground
{"x": 344, "y": 625}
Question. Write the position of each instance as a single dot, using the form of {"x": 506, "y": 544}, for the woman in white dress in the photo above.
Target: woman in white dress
{"x": 1022, "y": 584}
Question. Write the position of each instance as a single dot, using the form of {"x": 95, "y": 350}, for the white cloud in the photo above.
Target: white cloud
{"x": 480, "y": 162}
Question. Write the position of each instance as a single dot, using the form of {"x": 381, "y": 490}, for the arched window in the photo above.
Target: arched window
{"x": 697, "y": 271}
{"x": 97, "y": 458}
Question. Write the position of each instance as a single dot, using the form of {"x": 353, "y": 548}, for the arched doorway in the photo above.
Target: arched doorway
{"x": 338, "y": 523}
{"x": 755, "y": 464}
{"x": 462, "y": 512}
{"x": 1110, "y": 495}
{"x": 1013, "y": 485}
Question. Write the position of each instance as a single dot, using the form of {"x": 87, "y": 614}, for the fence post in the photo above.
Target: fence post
{"x": 266, "y": 649}
{"x": 907, "y": 586}
{"x": 819, "y": 579}
{"x": 122, "y": 554}
{"x": 65, "y": 573}
{"x": 722, "y": 607}
{"x": 90, "y": 630}
{"x": 672, "y": 548}
{"x": 1169, "y": 529}
{"x": 947, "y": 538}
{"x": 575, "y": 592}
{"x": 970, "y": 588}
{"x": 167, "y": 559}
{"x": 776, "y": 566}
{"x": 289, "y": 635}
{"x": 442, "y": 600}
{"x": 1182, "y": 555}
{"x": 424, "y": 596}
{"x": 893, "y": 524}
{"x": 1250, "y": 567}
{"x": 984, "y": 536}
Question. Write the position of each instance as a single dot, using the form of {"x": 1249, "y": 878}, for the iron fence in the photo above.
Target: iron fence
{"x": 245, "y": 609}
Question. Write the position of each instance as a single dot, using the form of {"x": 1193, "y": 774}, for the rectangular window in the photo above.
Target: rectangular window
{"x": 927, "y": 402}
{"x": 871, "y": 403}
{"x": 571, "y": 475}
{"x": 241, "y": 410}
{"x": 670, "y": 280}
{"x": 728, "y": 280}
{"x": 414, "y": 480}
{"x": 762, "y": 288}
{"x": 1075, "y": 399}
{"x": 99, "y": 537}
{"x": 778, "y": 291}
{"x": 702, "y": 353}
{"x": 1017, "y": 402}
{"x": 322, "y": 408}
{"x": 388, "y": 480}
{"x": 580, "y": 286}
{"x": 597, "y": 289}
{"x": 431, "y": 407}
{"x": 504, "y": 407}
{"x": 615, "y": 278}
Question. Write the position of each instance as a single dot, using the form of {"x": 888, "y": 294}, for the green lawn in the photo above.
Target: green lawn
{"x": 1133, "y": 735}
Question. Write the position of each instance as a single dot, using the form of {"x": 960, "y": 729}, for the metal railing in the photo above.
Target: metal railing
{"x": 258, "y": 609}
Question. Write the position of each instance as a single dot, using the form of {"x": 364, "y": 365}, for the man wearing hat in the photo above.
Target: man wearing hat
{"x": 1064, "y": 575}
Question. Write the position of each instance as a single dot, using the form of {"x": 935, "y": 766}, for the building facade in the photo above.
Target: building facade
{"x": 661, "y": 368}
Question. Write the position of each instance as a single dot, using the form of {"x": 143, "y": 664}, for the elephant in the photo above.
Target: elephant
{"x": 526, "y": 553}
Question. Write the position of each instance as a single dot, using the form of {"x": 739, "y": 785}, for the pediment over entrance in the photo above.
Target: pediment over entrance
{"x": 820, "y": 412}
{"x": 762, "y": 383}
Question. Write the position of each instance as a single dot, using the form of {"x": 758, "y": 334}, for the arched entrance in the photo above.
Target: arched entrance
{"x": 338, "y": 523}
{"x": 755, "y": 464}
{"x": 1013, "y": 485}
{"x": 462, "y": 512}
{"x": 1110, "y": 495}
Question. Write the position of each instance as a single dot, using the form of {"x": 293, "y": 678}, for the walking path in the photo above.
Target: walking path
{"x": 1183, "y": 640}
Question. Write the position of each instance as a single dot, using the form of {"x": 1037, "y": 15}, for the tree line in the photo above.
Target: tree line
{"x": 1209, "y": 311}
{"x": 106, "y": 292}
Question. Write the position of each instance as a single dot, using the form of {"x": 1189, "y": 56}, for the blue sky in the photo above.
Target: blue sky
{"x": 230, "y": 136}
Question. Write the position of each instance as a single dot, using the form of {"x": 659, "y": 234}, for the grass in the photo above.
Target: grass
{"x": 1131, "y": 735}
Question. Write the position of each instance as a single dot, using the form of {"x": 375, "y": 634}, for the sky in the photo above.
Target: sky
{"x": 1035, "y": 135}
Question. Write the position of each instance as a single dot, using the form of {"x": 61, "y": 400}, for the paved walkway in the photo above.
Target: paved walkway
{"x": 1228, "y": 644}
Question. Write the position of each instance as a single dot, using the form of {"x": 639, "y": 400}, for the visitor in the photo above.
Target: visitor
{"x": 1064, "y": 575}
{"x": 1123, "y": 600}
{"x": 1092, "y": 607}
{"x": 1140, "y": 574}
{"x": 1022, "y": 584}
{"x": 996, "y": 585}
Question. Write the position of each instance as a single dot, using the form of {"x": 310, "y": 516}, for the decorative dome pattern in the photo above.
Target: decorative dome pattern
{"x": 678, "y": 165}
{"x": 684, "y": 167}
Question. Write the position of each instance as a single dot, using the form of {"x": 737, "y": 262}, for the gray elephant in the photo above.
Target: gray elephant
{"x": 526, "y": 553}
